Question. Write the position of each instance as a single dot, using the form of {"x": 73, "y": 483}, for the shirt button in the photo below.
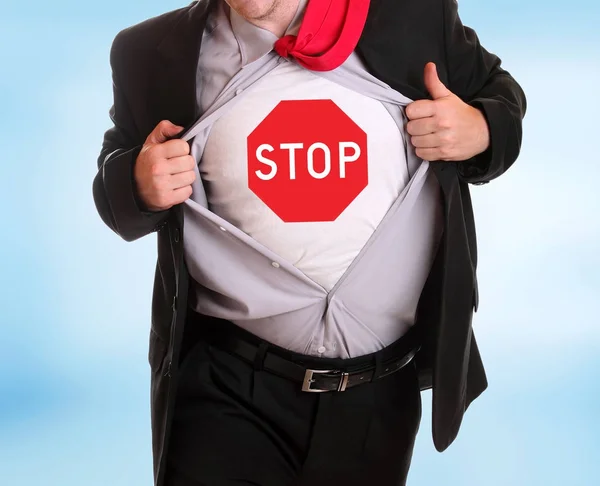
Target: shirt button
{"x": 275, "y": 265}
{"x": 322, "y": 349}
{"x": 238, "y": 91}
{"x": 222, "y": 229}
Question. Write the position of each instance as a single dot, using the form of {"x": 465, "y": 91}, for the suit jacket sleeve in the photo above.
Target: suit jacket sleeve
{"x": 476, "y": 77}
{"x": 114, "y": 188}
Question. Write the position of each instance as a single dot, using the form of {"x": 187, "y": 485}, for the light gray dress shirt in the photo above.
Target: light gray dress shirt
{"x": 236, "y": 278}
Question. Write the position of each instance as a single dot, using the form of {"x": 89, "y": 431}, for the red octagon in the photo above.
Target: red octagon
{"x": 307, "y": 160}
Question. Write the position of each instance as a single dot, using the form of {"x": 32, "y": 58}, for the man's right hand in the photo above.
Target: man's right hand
{"x": 164, "y": 169}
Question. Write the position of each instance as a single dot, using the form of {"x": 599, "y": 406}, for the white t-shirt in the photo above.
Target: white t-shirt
{"x": 310, "y": 187}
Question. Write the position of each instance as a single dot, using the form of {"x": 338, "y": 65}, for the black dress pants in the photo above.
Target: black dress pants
{"x": 238, "y": 425}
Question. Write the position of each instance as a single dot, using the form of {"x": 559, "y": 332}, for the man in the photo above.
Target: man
{"x": 318, "y": 156}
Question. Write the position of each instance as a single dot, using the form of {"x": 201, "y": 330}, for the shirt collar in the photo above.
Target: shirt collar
{"x": 254, "y": 41}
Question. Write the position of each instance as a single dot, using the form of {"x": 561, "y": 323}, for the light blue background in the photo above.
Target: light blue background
{"x": 75, "y": 299}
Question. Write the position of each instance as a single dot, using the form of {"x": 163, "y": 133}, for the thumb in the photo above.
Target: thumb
{"x": 163, "y": 132}
{"x": 433, "y": 84}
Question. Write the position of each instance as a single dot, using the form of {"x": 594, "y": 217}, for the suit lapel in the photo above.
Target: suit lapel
{"x": 174, "y": 77}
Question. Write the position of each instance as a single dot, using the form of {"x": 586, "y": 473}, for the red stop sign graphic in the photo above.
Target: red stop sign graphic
{"x": 307, "y": 160}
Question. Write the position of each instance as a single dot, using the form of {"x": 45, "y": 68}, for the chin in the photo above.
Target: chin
{"x": 253, "y": 9}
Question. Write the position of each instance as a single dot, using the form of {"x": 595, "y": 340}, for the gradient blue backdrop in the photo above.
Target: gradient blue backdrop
{"x": 75, "y": 299}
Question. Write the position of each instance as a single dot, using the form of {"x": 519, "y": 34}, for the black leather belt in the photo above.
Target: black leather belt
{"x": 314, "y": 380}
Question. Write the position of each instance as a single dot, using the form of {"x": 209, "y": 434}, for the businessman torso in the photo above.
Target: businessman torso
{"x": 154, "y": 69}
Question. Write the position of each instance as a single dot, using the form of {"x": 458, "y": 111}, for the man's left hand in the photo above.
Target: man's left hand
{"x": 445, "y": 128}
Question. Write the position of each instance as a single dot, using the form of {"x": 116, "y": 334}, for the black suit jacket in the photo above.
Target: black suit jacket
{"x": 154, "y": 78}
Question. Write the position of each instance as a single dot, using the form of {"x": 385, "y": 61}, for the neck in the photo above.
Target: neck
{"x": 278, "y": 18}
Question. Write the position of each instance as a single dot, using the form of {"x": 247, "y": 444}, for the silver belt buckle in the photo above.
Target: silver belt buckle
{"x": 308, "y": 381}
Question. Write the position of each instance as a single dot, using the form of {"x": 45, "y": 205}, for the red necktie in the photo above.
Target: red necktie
{"x": 328, "y": 35}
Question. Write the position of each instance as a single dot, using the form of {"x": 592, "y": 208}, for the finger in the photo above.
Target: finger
{"x": 428, "y": 154}
{"x": 434, "y": 86}
{"x": 183, "y": 179}
{"x": 163, "y": 131}
{"x": 426, "y": 141}
{"x": 422, "y": 126}
{"x": 181, "y": 195}
{"x": 181, "y": 164}
{"x": 173, "y": 148}
{"x": 420, "y": 109}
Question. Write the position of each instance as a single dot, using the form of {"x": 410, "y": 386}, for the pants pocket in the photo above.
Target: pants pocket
{"x": 394, "y": 424}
